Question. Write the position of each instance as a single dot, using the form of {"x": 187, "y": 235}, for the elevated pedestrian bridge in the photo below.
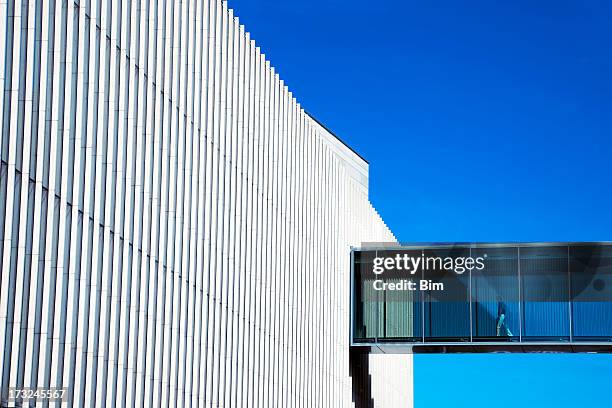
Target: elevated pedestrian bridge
{"x": 475, "y": 297}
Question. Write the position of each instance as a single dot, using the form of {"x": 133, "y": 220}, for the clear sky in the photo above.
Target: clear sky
{"x": 482, "y": 121}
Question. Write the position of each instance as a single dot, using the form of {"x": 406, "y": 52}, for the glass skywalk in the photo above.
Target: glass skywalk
{"x": 541, "y": 297}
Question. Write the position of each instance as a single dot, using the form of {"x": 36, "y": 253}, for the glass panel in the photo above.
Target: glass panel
{"x": 399, "y": 309}
{"x": 447, "y": 312}
{"x": 495, "y": 295}
{"x": 591, "y": 281}
{"x": 545, "y": 289}
{"x": 365, "y": 304}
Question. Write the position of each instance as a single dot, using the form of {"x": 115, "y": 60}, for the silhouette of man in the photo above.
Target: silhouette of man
{"x": 501, "y": 318}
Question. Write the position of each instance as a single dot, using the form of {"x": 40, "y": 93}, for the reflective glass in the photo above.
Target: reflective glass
{"x": 591, "y": 282}
{"x": 495, "y": 295}
{"x": 545, "y": 293}
{"x": 446, "y": 312}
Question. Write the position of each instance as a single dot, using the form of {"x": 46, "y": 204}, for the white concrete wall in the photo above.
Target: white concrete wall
{"x": 392, "y": 384}
{"x": 175, "y": 230}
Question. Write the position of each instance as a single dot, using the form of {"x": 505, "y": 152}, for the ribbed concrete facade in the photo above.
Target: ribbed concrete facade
{"x": 175, "y": 229}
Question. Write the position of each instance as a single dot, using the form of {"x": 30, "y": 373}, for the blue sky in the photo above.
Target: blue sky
{"x": 482, "y": 121}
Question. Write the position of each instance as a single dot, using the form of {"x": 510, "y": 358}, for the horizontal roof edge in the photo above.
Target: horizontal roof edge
{"x": 371, "y": 246}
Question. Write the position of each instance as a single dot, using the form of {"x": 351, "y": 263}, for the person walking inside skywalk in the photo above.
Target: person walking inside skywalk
{"x": 501, "y": 319}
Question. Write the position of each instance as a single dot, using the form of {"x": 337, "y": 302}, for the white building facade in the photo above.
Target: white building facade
{"x": 175, "y": 229}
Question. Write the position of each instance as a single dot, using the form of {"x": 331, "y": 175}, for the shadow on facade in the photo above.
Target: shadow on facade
{"x": 359, "y": 370}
